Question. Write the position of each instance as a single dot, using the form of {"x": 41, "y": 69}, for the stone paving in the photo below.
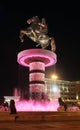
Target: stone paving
{"x": 60, "y": 125}
{"x": 40, "y": 121}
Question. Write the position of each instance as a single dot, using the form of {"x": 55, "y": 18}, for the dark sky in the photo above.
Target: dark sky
{"x": 63, "y": 20}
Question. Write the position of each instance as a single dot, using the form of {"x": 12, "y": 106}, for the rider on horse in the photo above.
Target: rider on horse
{"x": 37, "y": 31}
{"x": 37, "y": 28}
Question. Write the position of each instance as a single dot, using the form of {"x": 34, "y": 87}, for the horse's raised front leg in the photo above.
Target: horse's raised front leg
{"x": 22, "y": 33}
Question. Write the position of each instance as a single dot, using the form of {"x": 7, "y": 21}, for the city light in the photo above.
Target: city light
{"x": 54, "y": 89}
{"x": 54, "y": 77}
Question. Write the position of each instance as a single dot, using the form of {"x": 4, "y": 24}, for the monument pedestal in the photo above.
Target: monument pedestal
{"x": 37, "y": 60}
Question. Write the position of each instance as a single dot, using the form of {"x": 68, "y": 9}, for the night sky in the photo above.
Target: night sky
{"x": 63, "y": 21}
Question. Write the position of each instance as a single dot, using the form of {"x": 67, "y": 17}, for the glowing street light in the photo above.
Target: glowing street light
{"x": 54, "y": 77}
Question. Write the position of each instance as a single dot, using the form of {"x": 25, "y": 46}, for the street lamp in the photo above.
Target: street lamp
{"x": 54, "y": 77}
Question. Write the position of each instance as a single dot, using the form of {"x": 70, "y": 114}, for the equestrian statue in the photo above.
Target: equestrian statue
{"x": 38, "y": 32}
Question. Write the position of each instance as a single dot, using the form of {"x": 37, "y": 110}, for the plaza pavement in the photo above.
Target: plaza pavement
{"x": 40, "y": 121}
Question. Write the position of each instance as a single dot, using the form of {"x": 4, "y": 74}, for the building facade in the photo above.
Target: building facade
{"x": 69, "y": 90}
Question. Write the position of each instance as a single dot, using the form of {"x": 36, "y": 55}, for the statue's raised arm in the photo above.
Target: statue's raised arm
{"x": 38, "y": 32}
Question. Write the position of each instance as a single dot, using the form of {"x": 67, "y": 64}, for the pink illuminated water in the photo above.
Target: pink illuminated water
{"x": 36, "y": 106}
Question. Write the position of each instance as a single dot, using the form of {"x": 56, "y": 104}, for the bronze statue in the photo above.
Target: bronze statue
{"x": 38, "y": 32}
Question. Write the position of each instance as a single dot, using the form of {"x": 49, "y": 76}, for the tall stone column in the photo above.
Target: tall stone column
{"x": 37, "y": 79}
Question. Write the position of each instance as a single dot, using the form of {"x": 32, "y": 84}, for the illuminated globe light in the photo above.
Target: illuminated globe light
{"x": 37, "y": 60}
{"x": 54, "y": 77}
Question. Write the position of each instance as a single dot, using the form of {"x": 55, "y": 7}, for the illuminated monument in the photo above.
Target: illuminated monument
{"x": 37, "y": 58}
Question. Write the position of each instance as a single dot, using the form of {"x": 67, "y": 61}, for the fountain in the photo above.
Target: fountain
{"x": 37, "y": 59}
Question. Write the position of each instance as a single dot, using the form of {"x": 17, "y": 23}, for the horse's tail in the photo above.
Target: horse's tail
{"x": 53, "y": 45}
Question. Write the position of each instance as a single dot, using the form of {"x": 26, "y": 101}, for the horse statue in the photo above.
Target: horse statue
{"x": 37, "y": 31}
